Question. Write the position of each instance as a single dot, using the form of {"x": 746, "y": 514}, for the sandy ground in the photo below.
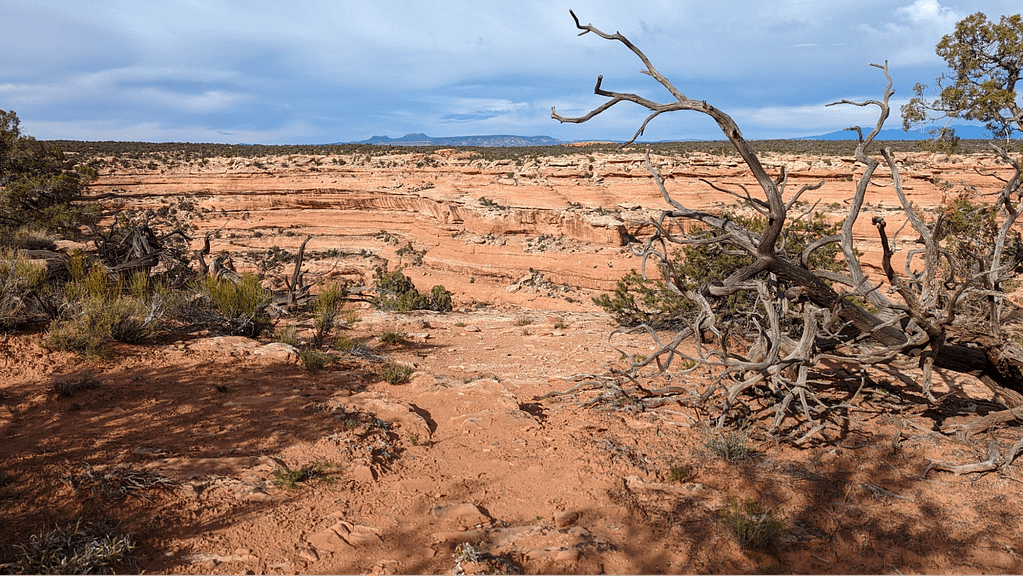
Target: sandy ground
{"x": 465, "y": 452}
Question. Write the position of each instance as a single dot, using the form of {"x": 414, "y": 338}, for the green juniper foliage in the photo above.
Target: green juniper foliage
{"x": 397, "y": 293}
{"x": 637, "y": 300}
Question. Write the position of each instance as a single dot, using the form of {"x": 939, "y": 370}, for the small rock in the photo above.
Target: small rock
{"x": 565, "y": 519}
{"x": 308, "y": 554}
{"x": 570, "y": 556}
{"x": 328, "y": 541}
{"x": 472, "y": 328}
{"x": 457, "y": 537}
{"x": 462, "y": 515}
{"x": 364, "y": 474}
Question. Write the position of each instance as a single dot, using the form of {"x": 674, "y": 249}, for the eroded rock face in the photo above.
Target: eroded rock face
{"x": 478, "y": 225}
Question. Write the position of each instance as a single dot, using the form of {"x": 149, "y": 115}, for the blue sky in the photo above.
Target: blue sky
{"x": 313, "y": 72}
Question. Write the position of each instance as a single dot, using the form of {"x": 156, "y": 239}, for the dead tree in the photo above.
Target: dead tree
{"x": 918, "y": 322}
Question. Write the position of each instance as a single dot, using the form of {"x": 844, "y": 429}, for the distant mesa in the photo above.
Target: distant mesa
{"x": 499, "y": 140}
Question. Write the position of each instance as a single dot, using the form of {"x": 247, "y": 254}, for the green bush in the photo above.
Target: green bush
{"x": 37, "y": 183}
{"x": 98, "y": 321}
{"x": 97, "y": 311}
{"x": 392, "y": 336}
{"x": 397, "y": 293}
{"x": 244, "y": 305}
{"x": 290, "y": 479}
{"x": 314, "y": 360}
{"x": 394, "y": 373}
{"x": 287, "y": 335}
{"x": 20, "y": 285}
{"x": 327, "y": 311}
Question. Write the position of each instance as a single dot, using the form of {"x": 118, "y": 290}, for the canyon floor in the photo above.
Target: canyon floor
{"x": 186, "y": 443}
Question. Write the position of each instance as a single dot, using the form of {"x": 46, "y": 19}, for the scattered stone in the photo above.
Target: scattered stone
{"x": 309, "y": 554}
{"x": 570, "y": 556}
{"x": 363, "y": 474}
{"x": 385, "y": 567}
{"x": 356, "y": 535}
{"x": 250, "y": 493}
{"x": 458, "y": 536}
{"x": 463, "y": 515}
{"x": 328, "y": 541}
{"x": 277, "y": 351}
{"x": 565, "y": 519}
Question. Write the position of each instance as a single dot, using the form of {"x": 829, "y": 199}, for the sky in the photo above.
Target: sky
{"x": 324, "y": 71}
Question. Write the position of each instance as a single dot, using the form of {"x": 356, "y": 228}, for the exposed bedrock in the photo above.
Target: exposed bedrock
{"x": 564, "y": 220}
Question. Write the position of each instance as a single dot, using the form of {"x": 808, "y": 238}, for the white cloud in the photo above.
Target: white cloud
{"x": 928, "y": 11}
{"x": 158, "y": 132}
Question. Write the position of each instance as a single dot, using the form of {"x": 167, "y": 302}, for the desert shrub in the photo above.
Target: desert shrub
{"x": 440, "y": 299}
{"x": 96, "y": 310}
{"x": 397, "y": 293}
{"x": 314, "y": 360}
{"x": 77, "y": 548}
{"x": 392, "y": 336}
{"x": 243, "y": 306}
{"x": 394, "y": 373}
{"x": 69, "y": 386}
{"x": 98, "y": 321}
{"x": 20, "y": 285}
{"x": 287, "y": 335}
{"x": 732, "y": 446}
{"x": 754, "y": 526}
{"x": 680, "y": 473}
{"x": 327, "y": 311}
{"x": 31, "y": 238}
{"x": 290, "y": 479}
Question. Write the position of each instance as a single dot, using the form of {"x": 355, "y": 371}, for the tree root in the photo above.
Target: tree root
{"x": 995, "y": 461}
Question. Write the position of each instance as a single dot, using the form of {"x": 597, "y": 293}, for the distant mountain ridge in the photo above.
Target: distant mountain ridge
{"x": 962, "y": 131}
{"x": 493, "y": 141}
{"x": 503, "y": 140}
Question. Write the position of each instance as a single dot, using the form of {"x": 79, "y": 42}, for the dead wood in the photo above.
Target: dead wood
{"x": 910, "y": 323}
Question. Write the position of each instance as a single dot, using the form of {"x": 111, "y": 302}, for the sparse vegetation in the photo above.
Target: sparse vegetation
{"x": 754, "y": 526}
{"x": 328, "y": 311}
{"x": 393, "y": 337}
{"x": 397, "y": 293}
{"x": 22, "y": 284}
{"x": 68, "y": 386}
{"x": 732, "y": 445}
{"x": 243, "y": 306}
{"x": 287, "y": 335}
{"x": 314, "y": 360}
{"x": 77, "y": 548}
{"x": 395, "y": 373}
{"x": 680, "y": 473}
{"x": 289, "y": 479}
